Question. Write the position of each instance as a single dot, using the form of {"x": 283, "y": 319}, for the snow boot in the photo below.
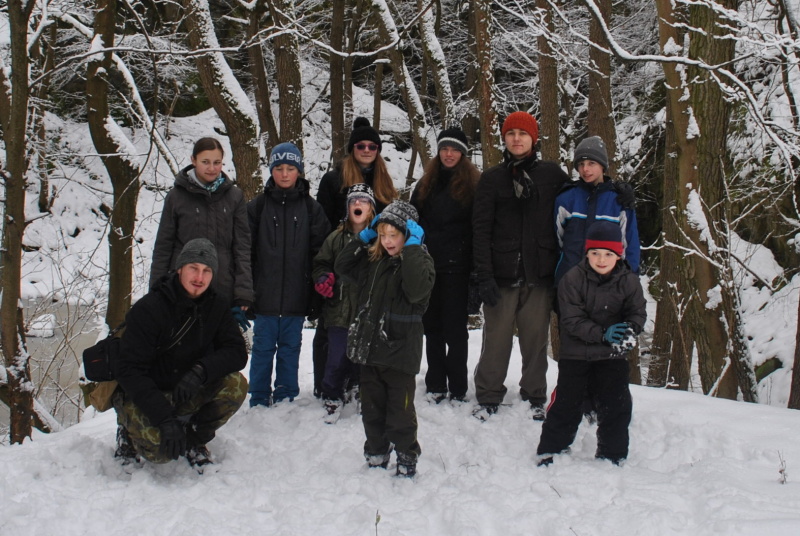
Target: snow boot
{"x": 537, "y": 411}
{"x": 435, "y": 398}
{"x": 333, "y": 410}
{"x": 484, "y": 411}
{"x": 406, "y": 465}
{"x": 125, "y": 452}
{"x": 198, "y": 457}
{"x": 378, "y": 460}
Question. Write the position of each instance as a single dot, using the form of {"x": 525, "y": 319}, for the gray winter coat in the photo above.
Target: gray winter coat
{"x": 191, "y": 211}
{"x": 589, "y": 303}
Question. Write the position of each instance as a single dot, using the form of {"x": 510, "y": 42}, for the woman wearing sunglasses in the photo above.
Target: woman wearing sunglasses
{"x": 363, "y": 163}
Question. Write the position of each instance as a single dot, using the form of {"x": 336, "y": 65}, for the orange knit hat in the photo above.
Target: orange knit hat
{"x": 523, "y": 121}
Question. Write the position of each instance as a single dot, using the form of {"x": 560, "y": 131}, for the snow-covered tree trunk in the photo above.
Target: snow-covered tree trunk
{"x": 404, "y": 80}
{"x": 226, "y": 96}
{"x": 258, "y": 69}
{"x": 118, "y": 155}
{"x": 338, "y": 134}
{"x": 289, "y": 80}
{"x": 487, "y": 107}
{"x": 15, "y": 129}
{"x": 436, "y": 59}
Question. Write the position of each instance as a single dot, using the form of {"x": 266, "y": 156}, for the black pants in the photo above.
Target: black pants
{"x": 607, "y": 384}
{"x": 446, "y": 335}
{"x": 319, "y": 355}
{"x": 387, "y": 411}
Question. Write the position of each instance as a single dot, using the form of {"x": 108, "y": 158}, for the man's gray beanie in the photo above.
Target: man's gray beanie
{"x": 591, "y": 148}
{"x": 198, "y": 250}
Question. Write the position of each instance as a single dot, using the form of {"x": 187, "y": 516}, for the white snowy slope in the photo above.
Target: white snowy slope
{"x": 697, "y": 466}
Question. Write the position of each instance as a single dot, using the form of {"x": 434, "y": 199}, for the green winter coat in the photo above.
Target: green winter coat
{"x": 340, "y": 309}
{"x": 393, "y": 293}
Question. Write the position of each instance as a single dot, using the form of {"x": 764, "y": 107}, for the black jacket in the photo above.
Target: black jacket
{"x": 393, "y": 295}
{"x": 149, "y": 363}
{"x": 193, "y": 212}
{"x": 448, "y": 227}
{"x": 334, "y": 200}
{"x": 287, "y": 229}
{"x": 589, "y": 303}
{"x": 514, "y": 239}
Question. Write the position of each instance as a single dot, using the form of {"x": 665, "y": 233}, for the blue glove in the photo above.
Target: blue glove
{"x": 614, "y": 334}
{"x": 240, "y": 317}
{"x": 417, "y": 235}
{"x": 369, "y": 233}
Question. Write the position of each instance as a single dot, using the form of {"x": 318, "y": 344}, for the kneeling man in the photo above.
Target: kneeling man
{"x": 179, "y": 364}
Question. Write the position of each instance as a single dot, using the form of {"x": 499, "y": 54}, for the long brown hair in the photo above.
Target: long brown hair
{"x": 462, "y": 184}
{"x": 382, "y": 184}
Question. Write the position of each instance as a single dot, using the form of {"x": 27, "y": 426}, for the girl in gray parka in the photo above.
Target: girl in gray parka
{"x": 395, "y": 276}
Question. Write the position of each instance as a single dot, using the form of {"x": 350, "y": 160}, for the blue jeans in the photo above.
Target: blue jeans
{"x": 275, "y": 336}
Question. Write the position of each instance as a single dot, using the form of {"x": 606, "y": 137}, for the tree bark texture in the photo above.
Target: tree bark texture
{"x": 600, "y": 121}
{"x": 549, "y": 122}
{"x": 338, "y": 134}
{"x": 258, "y": 69}
{"x": 290, "y": 82}
{"x": 435, "y": 58}
{"x": 12, "y": 336}
{"x": 487, "y": 107}
{"x": 230, "y": 102}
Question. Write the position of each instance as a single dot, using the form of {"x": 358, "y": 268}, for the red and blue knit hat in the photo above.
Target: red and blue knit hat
{"x": 604, "y": 234}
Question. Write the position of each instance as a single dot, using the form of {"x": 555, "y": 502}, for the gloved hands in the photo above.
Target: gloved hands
{"x": 625, "y": 194}
{"x": 241, "y": 317}
{"x": 173, "y": 438}
{"x": 415, "y": 233}
{"x": 615, "y": 333}
{"x": 369, "y": 233}
{"x": 189, "y": 385}
{"x": 324, "y": 285}
{"x": 489, "y": 291}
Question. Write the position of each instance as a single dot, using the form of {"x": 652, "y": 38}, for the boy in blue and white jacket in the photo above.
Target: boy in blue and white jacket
{"x": 593, "y": 198}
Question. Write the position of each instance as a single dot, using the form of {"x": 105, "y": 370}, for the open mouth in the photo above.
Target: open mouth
{"x": 357, "y": 212}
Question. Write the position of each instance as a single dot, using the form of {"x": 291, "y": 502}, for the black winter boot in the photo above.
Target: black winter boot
{"x": 406, "y": 465}
{"x": 125, "y": 450}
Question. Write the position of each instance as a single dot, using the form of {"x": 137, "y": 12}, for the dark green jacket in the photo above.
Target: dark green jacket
{"x": 340, "y": 309}
{"x": 393, "y": 293}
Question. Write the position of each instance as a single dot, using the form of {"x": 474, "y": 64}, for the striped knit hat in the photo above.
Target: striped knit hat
{"x": 604, "y": 234}
{"x": 453, "y": 137}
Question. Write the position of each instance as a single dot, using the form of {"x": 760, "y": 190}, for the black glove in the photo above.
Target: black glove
{"x": 173, "y": 438}
{"x": 625, "y": 194}
{"x": 189, "y": 385}
{"x": 489, "y": 291}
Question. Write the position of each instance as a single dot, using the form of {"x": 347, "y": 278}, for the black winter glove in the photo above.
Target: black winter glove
{"x": 189, "y": 385}
{"x": 489, "y": 291}
{"x": 173, "y": 438}
{"x": 625, "y": 194}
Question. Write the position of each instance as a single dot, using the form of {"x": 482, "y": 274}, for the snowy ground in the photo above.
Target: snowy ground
{"x": 697, "y": 466}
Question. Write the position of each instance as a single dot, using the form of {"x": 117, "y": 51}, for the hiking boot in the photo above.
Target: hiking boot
{"x": 537, "y": 411}
{"x": 484, "y": 411}
{"x": 457, "y": 398}
{"x": 333, "y": 410}
{"x": 125, "y": 450}
{"x": 198, "y": 457}
{"x": 545, "y": 461}
{"x": 591, "y": 417}
{"x": 406, "y": 465}
{"x": 378, "y": 460}
{"x": 435, "y": 398}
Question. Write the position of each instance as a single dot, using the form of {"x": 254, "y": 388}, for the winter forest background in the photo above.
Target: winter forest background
{"x": 101, "y": 101}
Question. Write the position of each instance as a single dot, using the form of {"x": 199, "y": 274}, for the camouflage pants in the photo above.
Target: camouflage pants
{"x": 202, "y": 414}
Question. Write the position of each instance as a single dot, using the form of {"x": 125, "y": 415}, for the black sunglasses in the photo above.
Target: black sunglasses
{"x": 365, "y": 146}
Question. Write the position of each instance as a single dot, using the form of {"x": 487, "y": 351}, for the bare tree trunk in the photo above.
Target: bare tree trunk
{"x": 794, "y": 394}
{"x": 601, "y": 110}
{"x": 549, "y": 132}
{"x": 122, "y": 168}
{"x": 45, "y": 56}
{"x": 258, "y": 69}
{"x": 12, "y": 335}
{"x": 490, "y": 133}
{"x": 290, "y": 82}
{"x": 404, "y": 81}
{"x": 470, "y": 124}
{"x": 436, "y": 59}
{"x": 377, "y": 96}
{"x": 338, "y": 135}
{"x": 352, "y": 37}
{"x": 229, "y": 101}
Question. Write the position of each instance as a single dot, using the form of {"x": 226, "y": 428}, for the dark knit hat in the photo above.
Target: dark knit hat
{"x": 398, "y": 213}
{"x": 360, "y": 191}
{"x": 591, "y": 148}
{"x": 523, "y": 121}
{"x": 603, "y": 234}
{"x": 286, "y": 153}
{"x": 363, "y": 131}
{"x": 455, "y": 138}
{"x": 198, "y": 250}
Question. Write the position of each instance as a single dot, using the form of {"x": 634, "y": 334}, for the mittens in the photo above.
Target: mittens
{"x": 324, "y": 285}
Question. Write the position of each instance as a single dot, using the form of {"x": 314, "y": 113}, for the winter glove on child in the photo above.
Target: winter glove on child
{"x": 614, "y": 334}
{"x": 369, "y": 233}
{"x": 625, "y": 194}
{"x": 324, "y": 285}
{"x": 489, "y": 291}
{"x": 189, "y": 385}
{"x": 173, "y": 438}
{"x": 415, "y": 232}
{"x": 241, "y": 317}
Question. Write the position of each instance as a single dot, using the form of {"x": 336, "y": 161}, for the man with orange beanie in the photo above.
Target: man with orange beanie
{"x": 515, "y": 251}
